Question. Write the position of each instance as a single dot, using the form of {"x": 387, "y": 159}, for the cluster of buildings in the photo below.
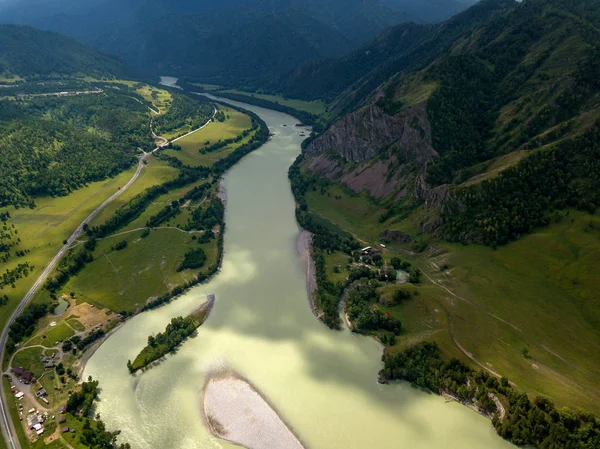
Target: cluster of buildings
{"x": 35, "y": 421}
{"x": 24, "y": 376}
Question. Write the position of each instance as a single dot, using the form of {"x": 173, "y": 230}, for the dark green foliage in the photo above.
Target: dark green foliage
{"x": 401, "y": 295}
{"x": 25, "y": 323}
{"x": 32, "y": 53}
{"x": 517, "y": 201}
{"x": 537, "y": 424}
{"x": 362, "y": 315}
{"x": 55, "y": 145}
{"x": 461, "y": 115}
{"x": 80, "y": 403}
{"x": 71, "y": 264}
{"x": 388, "y": 103}
{"x": 197, "y": 193}
{"x": 82, "y": 343}
{"x": 193, "y": 259}
{"x": 121, "y": 245}
{"x": 207, "y": 218}
{"x": 399, "y": 264}
{"x": 184, "y": 111}
{"x": 95, "y": 436}
{"x": 162, "y": 343}
{"x": 170, "y": 211}
{"x": 9, "y": 277}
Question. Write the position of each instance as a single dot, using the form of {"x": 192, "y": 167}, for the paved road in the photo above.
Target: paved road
{"x": 6, "y": 424}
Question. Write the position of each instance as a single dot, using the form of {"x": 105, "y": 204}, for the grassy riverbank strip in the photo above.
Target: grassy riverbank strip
{"x": 317, "y": 121}
{"x": 177, "y": 331}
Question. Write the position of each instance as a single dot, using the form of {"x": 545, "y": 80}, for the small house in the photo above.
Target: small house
{"x": 41, "y": 393}
{"x": 64, "y": 429}
{"x": 61, "y": 420}
{"x": 63, "y": 409}
{"x": 26, "y": 376}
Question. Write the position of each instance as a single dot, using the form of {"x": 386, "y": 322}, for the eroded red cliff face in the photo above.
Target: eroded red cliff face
{"x": 370, "y": 150}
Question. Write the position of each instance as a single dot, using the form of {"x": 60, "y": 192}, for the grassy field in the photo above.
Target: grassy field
{"x": 125, "y": 280}
{"x": 191, "y": 145}
{"x": 539, "y": 293}
{"x": 207, "y": 87}
{"x": 160, "y": 98}
{"x": 314, "y": 107}
{"x": 56, "y": 334}
{"x": 43, "y": 229}
{"x": 30, "y": 359}
{"x": 156, "y": 172}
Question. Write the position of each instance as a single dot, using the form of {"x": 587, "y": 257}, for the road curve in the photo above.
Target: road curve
{"x": 6, "y": 425}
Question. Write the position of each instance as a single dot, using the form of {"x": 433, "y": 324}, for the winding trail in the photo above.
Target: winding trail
{"x": 6, "y": 425}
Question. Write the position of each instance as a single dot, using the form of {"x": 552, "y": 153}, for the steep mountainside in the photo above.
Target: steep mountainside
{"x": 404, "y": 48}
{"x": 233, "y": 46}
{"x": 30, "y": 53}
{"x": 228, "y": 42}
{"x": 511, "y": 101}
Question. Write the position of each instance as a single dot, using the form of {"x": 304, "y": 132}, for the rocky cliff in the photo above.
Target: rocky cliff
{"x": 374, "y": 151}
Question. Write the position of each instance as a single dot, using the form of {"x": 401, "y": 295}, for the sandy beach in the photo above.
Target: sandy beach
{"x": 236, "y": 412}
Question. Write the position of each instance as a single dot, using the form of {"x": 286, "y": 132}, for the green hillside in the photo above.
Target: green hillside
{"x": 26, "y": 52}
{"x": 469, "y": 151}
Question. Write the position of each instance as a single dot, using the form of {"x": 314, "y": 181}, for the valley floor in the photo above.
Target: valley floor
{"x": 527, "y": 311}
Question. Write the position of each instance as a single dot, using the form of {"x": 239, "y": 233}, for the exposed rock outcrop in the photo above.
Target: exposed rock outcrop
{"x": 363, "y": 134}
{"x": 370, "y": 150}
{"x": 395, "y": 236}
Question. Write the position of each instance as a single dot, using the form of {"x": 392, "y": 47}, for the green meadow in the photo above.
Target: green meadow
{"x": 155, "y": 172}
{"x": 233, "y": 126}
{"x": 538, "y": 293}
{"x": 43, "y": 229}
{"x": 314, "y": 107}
{"x": 124, "y": 280}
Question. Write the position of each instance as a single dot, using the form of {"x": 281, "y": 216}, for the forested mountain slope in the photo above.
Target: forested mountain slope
{"x": 476, "y": 171}
{"x": 30, "y": 53}
{"x": 234, "y": 40}
{"x": 518, "y": 90}
{"x": 403, "y": 48}
{"x": 234, "y": 45}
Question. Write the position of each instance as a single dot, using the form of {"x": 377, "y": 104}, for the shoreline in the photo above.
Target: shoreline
{"x": 252, "y": 408}
{"x": 304, "y": 251}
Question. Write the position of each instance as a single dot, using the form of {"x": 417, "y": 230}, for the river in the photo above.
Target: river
{"x": 322, "y": 382}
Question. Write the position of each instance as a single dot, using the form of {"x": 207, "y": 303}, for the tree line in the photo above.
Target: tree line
{"x": 522, "y": 197}
{"x": 538, "y": 423}
{"x": 162, "y": 343}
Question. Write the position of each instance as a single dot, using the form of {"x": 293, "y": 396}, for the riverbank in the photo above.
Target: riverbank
{"x": 304, "y": 250}
{"x": 235, "y": 411}
{"x": 176, "y": 333}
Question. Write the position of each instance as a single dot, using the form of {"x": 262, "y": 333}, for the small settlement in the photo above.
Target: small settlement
{"x": 45, "y": 370}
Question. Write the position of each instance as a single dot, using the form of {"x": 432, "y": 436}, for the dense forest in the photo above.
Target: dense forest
{"x": 162, "y": 343}
{"x": 52, "y": 146}
{"x": 94, "y": 433}
{"x": 538, "y": 422}
{"x": 523, "y": 197}
{"x": 36, "y": 54}
{"x": 184, "y": 113}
